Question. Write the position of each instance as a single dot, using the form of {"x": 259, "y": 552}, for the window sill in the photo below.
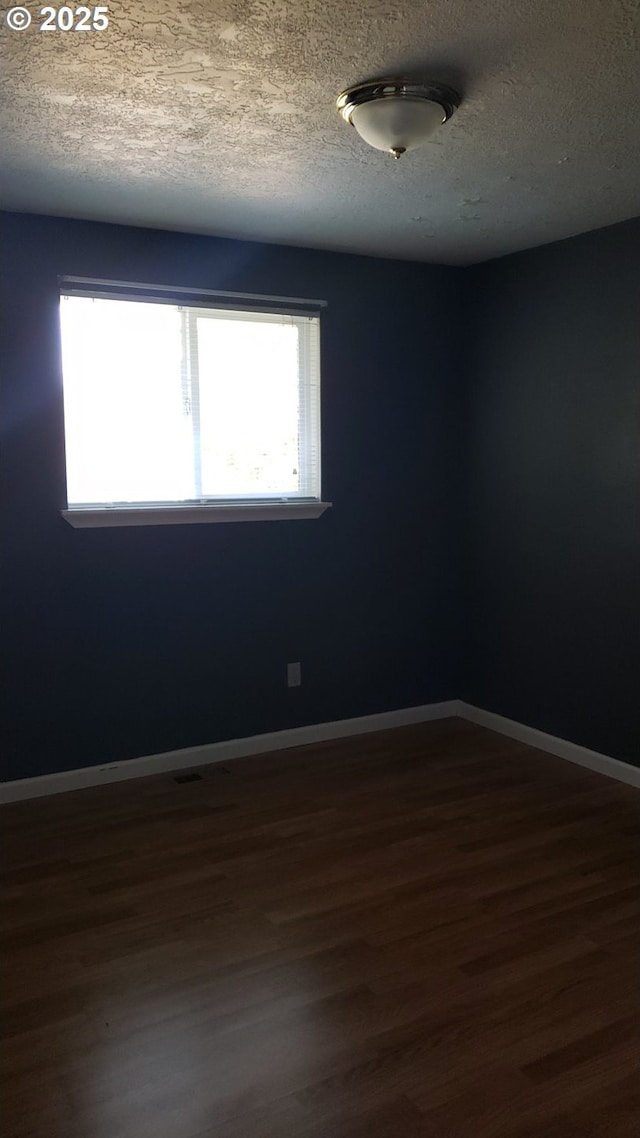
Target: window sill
{"x": 192, "y": 515}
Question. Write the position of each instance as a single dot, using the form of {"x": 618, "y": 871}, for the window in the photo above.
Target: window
{"x": 175, "y": 411}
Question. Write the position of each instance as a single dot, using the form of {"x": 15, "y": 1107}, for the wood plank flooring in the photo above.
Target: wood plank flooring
{"x": 428, "y": 931}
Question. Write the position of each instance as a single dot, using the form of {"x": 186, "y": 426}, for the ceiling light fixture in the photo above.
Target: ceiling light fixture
{"x": 397, "y": 115}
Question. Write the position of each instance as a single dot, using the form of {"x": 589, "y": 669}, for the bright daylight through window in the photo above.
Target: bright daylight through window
{"x": 175, "y": 405}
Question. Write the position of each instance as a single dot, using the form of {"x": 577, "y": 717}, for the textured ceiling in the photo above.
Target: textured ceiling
{"x": 218, "y": 116}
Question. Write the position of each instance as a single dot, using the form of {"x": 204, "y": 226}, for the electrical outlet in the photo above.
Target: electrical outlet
{"x": 294, "y": 675}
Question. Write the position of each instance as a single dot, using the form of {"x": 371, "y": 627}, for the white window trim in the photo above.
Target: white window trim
{"x": 108, "y": 516}
{"x": 225, "y": 510}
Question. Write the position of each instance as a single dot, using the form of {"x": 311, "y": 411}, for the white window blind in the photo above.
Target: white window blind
{"x": 168, "y": 403}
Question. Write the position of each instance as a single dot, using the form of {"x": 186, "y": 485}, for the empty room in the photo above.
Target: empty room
{"x": 320, "y": 446}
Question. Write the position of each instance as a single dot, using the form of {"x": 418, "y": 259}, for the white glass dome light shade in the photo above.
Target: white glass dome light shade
{"x": 397, "y": 123}
{"x": 397, "y": 114}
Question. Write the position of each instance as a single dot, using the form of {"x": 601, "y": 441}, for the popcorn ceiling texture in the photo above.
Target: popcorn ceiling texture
{"x": 219, "y": 117}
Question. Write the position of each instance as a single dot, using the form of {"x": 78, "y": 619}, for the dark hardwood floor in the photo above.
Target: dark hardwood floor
{"x": 428, "y": 931}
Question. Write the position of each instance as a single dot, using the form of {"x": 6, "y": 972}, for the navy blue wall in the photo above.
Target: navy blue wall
{"x": 125, "y": 642}
{"x": 553, "y": 427}
{"x": 120, "y": 643}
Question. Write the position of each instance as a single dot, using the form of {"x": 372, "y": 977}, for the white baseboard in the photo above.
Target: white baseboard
{"x": 223, "y": 752}
{"x": 603, "y": 764}
{"x": 231, "y": 749}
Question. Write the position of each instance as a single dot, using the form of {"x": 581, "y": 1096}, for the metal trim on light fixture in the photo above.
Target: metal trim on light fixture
{"x": 394, "y": 88}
